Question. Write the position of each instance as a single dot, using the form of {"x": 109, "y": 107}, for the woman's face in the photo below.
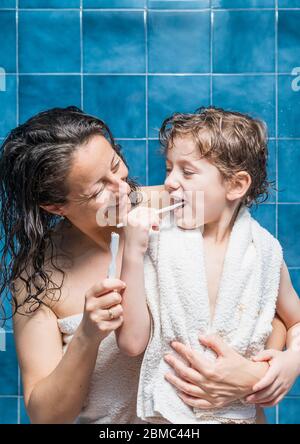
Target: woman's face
{"x": 98, "y": 191}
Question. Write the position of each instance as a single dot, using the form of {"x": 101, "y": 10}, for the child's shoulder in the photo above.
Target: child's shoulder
{"x": 265, "y": 236}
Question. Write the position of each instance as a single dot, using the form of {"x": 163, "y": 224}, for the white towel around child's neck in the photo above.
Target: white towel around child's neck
{"x": 177, "y": 295}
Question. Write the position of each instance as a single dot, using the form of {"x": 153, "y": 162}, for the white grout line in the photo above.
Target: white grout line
{"x": 81, "y": 54}
{"x": 17, "y": 65}
{"x": 276, "y": 112}
{"x": 150, "y": 9}
{"x": 146, "y": 93}
{"x": 276, "y": 142}
{"x": 211, "y": 54}
{"x": 159, "y": 74}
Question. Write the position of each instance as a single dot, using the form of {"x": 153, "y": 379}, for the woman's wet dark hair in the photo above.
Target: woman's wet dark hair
{"x": 35, "y": 160}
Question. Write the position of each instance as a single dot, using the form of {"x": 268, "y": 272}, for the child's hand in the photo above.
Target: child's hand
{"x": 284, "y": 369}
{"x": 138, "y": 225}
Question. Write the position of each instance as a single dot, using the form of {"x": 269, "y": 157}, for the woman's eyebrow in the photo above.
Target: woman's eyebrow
{"x": 111, "y": 164}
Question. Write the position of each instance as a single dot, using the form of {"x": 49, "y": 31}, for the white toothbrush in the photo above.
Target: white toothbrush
{"x": 161, "y": 211}
{"x": 114, "y": 247}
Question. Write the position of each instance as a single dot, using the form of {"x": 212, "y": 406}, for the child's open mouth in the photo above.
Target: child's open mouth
{"x": 175, "y": 200}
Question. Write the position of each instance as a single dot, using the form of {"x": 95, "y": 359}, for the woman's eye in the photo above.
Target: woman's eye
{"x": 97, "y": 193}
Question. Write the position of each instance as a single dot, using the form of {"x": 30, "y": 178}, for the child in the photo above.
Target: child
{"x": 227, "y": 277}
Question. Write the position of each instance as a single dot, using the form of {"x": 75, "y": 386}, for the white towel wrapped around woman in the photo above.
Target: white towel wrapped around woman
{"x": 177, "y": 296}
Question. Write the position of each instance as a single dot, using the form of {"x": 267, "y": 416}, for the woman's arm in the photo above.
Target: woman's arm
{"x": 203, "y": 383}
{"x": 55, "y": 385}
{"x": 284, "y": 366}
{"x": 278, "y": 337}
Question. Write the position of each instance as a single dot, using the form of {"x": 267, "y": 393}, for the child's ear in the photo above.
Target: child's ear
{"x": 238, "y": 185}
{"x": 54, "y": 209}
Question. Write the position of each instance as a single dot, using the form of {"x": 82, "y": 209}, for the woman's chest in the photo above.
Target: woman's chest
{"x": 81, "y": 274}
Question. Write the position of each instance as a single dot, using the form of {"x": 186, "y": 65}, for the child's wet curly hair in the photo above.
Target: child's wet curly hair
{"x": 230, "y": 140}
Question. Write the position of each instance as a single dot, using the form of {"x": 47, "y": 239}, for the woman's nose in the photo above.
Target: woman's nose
{"x": 119, "y": 186}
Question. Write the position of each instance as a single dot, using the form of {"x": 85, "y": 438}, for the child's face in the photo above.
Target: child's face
{"x": 195, "y": 180}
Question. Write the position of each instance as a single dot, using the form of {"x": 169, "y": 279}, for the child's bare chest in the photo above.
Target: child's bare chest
{"x": 214, "y": 260}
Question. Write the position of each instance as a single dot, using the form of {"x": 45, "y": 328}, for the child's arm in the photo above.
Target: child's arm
{"x": 284, "y": 366}
{"x": 134, "y": 334}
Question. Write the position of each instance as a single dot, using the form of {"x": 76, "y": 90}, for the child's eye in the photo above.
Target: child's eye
{"x": 188, "y": 173}
{"x": 168, "y": 170}
{"x": 116, "y": 166}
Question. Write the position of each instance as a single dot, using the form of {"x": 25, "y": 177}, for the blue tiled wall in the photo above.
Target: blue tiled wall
{"x": 132, "y": 62}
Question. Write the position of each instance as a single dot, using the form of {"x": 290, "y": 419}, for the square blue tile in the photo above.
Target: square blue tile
{"x": 8, "y": 41}
{"x": 157, "y": 163}
{"x": 179, "y": 42}
{"x": 169, "y": 94}
{"x": 179, "y": 4}
{"x": 242, "y": 4}
{"x": 253, "y": 95}
{"x": 114, "y": 42}
{"x": 119, "y": 101}
{"x": 289, "y": 3}
{"x": 8, "y": 410}
{"x": 49, "y": 41}
{"x": 134, "y": 152}
{"x": 270, "y": 413}
{"x": 295, "y": 390}
{"x": 238, "y": 45}
{"x": 295, "y": 277}
{"x": 9, "y": 368}
{"x": 288, "y": 171}
{"x": 8, "y": 107}
{"x": 288, "y": 40}
{"x": 24, "y": 418}
{"x": 288, "y": 106}
{"x": 8, "y": 4}
{"x": 288, "y": 233}
{"x": 49, "y": 4}
{"x": 8, "y": 325}
{"x": 39, "y": 93}
{"x": 265, "y": 214}
{"x": 114, "y": 3}
{"x": 289, "y": 411}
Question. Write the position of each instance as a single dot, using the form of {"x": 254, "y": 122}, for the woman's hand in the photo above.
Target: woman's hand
{"x": 138, "y": 224}
{"x": 203, "y": 383}
{"x": 103, "y": 310}
{"x": 284, "y": 369}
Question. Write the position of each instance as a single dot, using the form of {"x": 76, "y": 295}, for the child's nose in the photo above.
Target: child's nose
{"x": 171, "y": 183}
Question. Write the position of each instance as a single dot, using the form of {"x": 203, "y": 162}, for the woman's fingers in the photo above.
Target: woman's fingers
{"x": 106, "y": 286}
{"x": 108, "y": 326}
{"x": 103, "y": 302}
{"x": 196, "y": 402}
{"x": 186, "y": 387}
{"x": 110, "y": 313}
{"x": 183, "y": 371}
{"x": 197, "y": 361}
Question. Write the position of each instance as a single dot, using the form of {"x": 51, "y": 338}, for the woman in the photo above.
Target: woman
{"x": 59, "y": 171}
